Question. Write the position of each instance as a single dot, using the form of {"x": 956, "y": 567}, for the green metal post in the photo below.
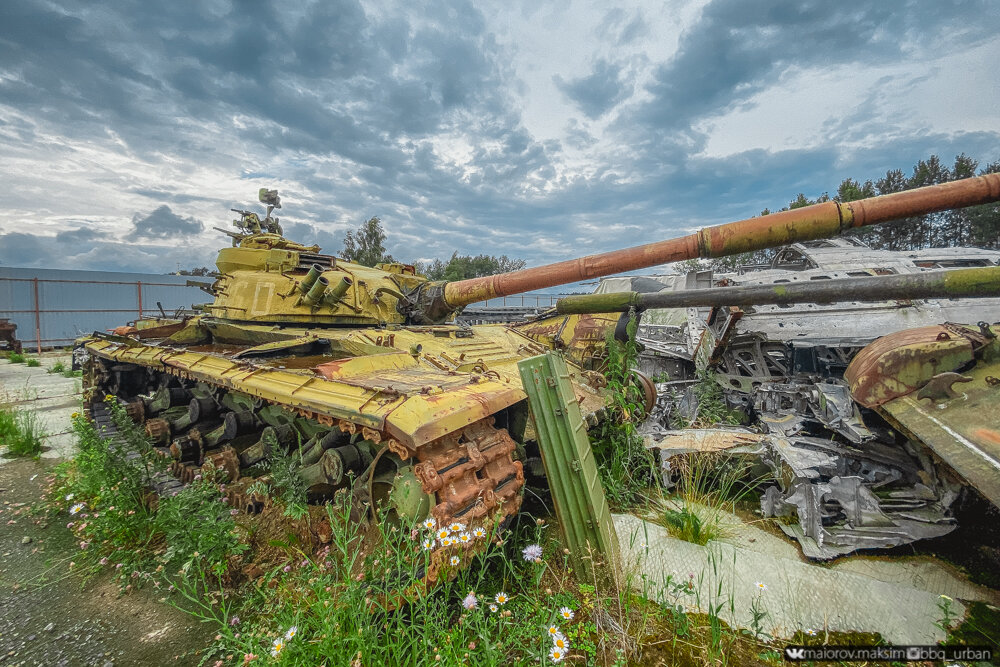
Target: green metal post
{"x": 569, "y": 463}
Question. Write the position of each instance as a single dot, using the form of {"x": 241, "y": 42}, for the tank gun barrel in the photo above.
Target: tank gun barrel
{"x": 950, "y": 284}
{"x": 802, "y": 224}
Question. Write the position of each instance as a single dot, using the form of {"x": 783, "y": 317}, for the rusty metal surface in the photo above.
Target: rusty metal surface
{"x": 963, "y": 430}
{"x": 903, "y": 362}
{"x": 811, "y": 222}
{"x": 8, "y": 337}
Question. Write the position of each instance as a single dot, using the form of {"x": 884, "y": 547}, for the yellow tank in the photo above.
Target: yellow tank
{"x": 363, "y": 372}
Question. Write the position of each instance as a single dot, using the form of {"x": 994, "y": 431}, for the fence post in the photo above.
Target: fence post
{"x": 138, "y": 285}
{"x": 38, "y": 320}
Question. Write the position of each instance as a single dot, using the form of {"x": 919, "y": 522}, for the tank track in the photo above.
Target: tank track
{"x": 470, "y": 474}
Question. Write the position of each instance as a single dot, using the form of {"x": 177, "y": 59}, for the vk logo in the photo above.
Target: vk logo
{"x": 795, "y": 653}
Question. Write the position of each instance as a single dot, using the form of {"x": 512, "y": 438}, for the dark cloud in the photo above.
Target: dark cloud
{"x": 737, "y": 48}
{"x": 163, "y": 223}
{"x": 80, "y": 235}
{"x": 597, "y": 92}
{"x": 18, "y": 249}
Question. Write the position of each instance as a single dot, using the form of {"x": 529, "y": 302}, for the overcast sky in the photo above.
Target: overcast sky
{"x": 541, "y": 130}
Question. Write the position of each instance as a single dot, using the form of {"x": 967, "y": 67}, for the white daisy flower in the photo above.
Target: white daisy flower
{"x": 760, "y": 585}
{"x": 479, "y": 532}
{"x": 428, "y": 544}
{"x": 456, "y": 527}
{"x": 502, "y": 598}
{"x": 430, "y": 523}
{"x": 566, "y": 613}
{"x": 75, "y": 509}
{"x": 292, "y": 631}
{"x": 446, "y": 541}
{"x": 443, "y": 534}
{"x": 454, "y": 560}
{"x": 464, "y": 538}
{"x": 69, "y": 496}
{"x": 553, "y": 630}
{"x": 556, "y": 654}
{"x": 559, "y": 641}
{"x": 493, "y": 607}
{"x": 277, "y": 647}
{"x": 810, "y": 632}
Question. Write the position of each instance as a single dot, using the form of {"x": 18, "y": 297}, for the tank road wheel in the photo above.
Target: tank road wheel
{"x": 467, "y": 478}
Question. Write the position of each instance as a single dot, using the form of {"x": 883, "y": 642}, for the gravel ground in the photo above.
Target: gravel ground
{"x": 50, "y": 616}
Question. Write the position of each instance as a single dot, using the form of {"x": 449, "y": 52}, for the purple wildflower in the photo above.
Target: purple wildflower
{"x": 531, "y": 553}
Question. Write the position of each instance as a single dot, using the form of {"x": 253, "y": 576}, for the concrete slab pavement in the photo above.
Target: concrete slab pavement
{"x": 51, "y": 396}
{"x": 897, "y": 598}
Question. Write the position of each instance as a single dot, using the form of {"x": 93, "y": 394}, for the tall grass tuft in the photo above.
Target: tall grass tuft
{"x": 21, "y": 432}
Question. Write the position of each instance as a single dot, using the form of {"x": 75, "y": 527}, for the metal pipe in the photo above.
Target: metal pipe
{"x": 339, "y": 290}
{"x": 315, "y": 295}
{"x": 315, "y": 271}
{"x": 951, "y": 284}
{"x": 801, "y": 224}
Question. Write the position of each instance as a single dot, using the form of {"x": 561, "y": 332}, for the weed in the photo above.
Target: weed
{"x": 15, "y": 357}
{"x": 686, "y": 525}
{"x": 627, "y": 469}
{"x": 58, "y": 367}
{"x": 72, "y": 374}
{"x": 948, "y": 615}
{"x": 20, "y": 432}
{"x": 712, "y": 408}
{"x": 288, "y": 486}
{"x": 32, "y": 362}
{"x": 198, "y": 528}
{"x": 108, "y": 486}
{"x": 758, "y": 612}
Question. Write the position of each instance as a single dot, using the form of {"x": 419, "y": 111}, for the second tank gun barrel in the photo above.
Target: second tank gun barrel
{"x": 823, "y": 220}
{"x": 950, "y": 284}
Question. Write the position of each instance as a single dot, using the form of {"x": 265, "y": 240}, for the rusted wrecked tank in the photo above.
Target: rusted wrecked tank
{"x": 851, "y": 479}
{"x": 941, "y": 386}
{"x": 360, "y": 372}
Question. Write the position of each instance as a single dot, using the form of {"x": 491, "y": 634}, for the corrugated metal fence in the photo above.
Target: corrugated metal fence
{"x": 52, "y": 307}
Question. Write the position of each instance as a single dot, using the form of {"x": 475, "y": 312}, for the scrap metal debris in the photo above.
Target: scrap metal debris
{"x": 843, "y": 478}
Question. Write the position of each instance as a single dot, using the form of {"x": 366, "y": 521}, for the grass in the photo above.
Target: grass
{"x": 712, "y": 408}
{"x": 20, "y": 432}
{"x": 58, "y": 367}
{"x": 685, "y": 524}
{"x": 708, "y": 485}
{"x": 15, "y": 357}
{"x": 31, "y": 362}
